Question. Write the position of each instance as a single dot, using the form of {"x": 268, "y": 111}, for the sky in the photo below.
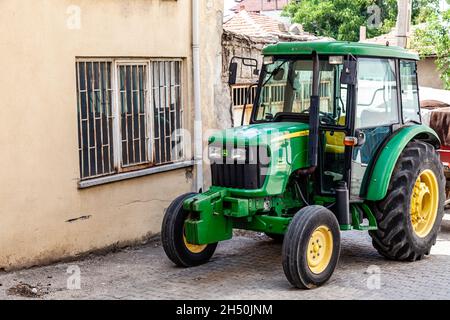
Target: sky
{"x": 444, "y": 5}
{"x": 228, "y": 4}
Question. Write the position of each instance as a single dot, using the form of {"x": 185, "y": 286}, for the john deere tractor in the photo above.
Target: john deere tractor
{"x": 335, "y": 143}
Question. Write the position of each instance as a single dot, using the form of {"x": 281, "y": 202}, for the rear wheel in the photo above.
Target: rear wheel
{"x": 175, "y": 244}
{"x": 311, "y": 247}
{"x": 410, "y": 216}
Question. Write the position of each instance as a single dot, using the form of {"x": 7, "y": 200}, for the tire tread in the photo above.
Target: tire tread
{"x": 393, "y": 239}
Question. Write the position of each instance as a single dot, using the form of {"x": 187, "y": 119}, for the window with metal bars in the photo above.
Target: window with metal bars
{"x": 130, "y": 115}
{"x": 95, "y": 119}
{"x": 167, "y": 111}
{"x": 132, "y": 79}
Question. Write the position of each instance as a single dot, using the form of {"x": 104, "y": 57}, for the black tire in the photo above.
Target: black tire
{"x": 297, "y": 240}
{"x": 172, "y": 236}
{"x": 278, "y": 238}
{"x": 395, "y": 238}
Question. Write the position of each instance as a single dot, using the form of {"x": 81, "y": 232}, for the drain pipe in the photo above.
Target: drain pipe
{"x": 198, "y": 129}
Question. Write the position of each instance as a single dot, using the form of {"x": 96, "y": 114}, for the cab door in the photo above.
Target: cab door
{"x": 376, "y": 114}
{"x": 333, "y": 153}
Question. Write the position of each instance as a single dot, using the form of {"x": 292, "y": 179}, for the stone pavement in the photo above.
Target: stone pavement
{"x": 243, "y": 268}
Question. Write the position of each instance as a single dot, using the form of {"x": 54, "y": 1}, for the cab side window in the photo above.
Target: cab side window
{"x": 377, "y": 93}
{"x": 409, "y": 87}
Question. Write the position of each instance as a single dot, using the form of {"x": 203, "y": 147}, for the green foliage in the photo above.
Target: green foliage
{"x": 341, "y": 19}
{"x": 422, "y": 9}
{"x": 434, "y": 39}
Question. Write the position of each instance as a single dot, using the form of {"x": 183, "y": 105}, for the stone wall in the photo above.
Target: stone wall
{"x": 238, "y": 45}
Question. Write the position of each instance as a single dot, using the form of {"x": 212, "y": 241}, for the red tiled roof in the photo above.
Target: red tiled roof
{"x": 251, "y": 24}
{"x": 384, "y": 39}
{"x": 392, "y": 40}
{"x": 260, "y": 5}
{"x": 257, "y": 25}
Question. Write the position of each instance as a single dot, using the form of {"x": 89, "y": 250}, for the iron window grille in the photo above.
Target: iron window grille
{"x": 130, "y": 115}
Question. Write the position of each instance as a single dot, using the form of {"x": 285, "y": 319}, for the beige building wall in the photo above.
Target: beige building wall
{"x": 39, "y": 166}
{"x": 428, "y": 74}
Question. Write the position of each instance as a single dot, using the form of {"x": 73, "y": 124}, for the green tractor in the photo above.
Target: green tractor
{"x": 335, "y": 142}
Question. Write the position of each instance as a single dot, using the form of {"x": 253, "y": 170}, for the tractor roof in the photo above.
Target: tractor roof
{"x": 339, "y": 48}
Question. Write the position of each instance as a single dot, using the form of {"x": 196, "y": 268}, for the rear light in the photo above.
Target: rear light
{"x": 350, "y": 141}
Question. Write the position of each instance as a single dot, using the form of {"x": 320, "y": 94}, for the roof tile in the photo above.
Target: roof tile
{"x": 257, "y": 25}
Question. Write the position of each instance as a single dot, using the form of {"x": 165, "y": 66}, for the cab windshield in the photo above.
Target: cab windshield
{"x": 287, "y": 88}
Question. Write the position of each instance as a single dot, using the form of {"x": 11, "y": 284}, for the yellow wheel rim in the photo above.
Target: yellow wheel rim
{"x": 320, "y": 249}
{"x": 193, "y": 248}
{"x": 424, "y": 203}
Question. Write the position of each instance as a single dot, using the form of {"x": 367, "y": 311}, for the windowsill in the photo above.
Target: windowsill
{"x": 135, "y": 174}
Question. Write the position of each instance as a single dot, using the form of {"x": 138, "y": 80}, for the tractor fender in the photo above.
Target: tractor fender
{"x": 380, "y": 172}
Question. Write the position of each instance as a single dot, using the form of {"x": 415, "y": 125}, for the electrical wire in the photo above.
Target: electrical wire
{"x": 299, "y": 190}
{"x": 300, "y": 193}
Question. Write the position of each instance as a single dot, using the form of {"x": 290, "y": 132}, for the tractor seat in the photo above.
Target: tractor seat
{"x": 335, "y": 142}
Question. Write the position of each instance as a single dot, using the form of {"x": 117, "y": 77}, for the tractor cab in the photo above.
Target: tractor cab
{"x": 362, "y": 100}
{"x": 334, "y": 142}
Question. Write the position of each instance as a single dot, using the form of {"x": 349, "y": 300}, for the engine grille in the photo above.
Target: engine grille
{"x": 249, "y": 175}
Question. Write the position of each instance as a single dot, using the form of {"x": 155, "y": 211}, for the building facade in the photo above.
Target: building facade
{"x": 96, "y": 119}
{"x": 429, "y": 75}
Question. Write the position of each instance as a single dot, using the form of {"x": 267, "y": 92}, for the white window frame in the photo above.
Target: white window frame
{"x": 133, "y": 171}
{"x": 182, "y": 93}
{"x": 117, "y": 130}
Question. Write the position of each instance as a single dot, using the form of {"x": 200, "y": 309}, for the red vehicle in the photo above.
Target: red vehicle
{"x": 445, "y": 158}
{"x": 438, "y": 118}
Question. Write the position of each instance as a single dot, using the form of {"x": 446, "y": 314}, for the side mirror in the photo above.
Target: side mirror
{"x": 233, "y": 69}
{"x": 349, "y": 73}
{"x": 232, "y": 73}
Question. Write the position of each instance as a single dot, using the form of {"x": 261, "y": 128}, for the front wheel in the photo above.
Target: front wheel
{"x": 175, "y": 244}
{"x": 311, "y": 247}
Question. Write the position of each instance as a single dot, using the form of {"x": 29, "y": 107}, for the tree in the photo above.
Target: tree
{"x": 434, "y": 39}
{"x": 341, "y": 19}
{"x": 422, "y": 9}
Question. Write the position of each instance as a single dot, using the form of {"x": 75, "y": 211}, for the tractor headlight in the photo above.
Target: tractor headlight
{"x": 239, "y": 154}
{"x": 215, "y": 153}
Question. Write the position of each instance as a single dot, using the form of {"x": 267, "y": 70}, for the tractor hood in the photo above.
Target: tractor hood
{"x": 263, "y": 133}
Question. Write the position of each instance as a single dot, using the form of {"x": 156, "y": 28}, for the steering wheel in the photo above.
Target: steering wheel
{"x": 325, "y": 117}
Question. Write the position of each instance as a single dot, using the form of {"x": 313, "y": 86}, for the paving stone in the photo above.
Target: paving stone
{"x": 243, "y": 268}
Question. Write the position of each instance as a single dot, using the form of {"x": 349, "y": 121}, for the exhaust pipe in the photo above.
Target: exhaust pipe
{"x": 314, "y": 118}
